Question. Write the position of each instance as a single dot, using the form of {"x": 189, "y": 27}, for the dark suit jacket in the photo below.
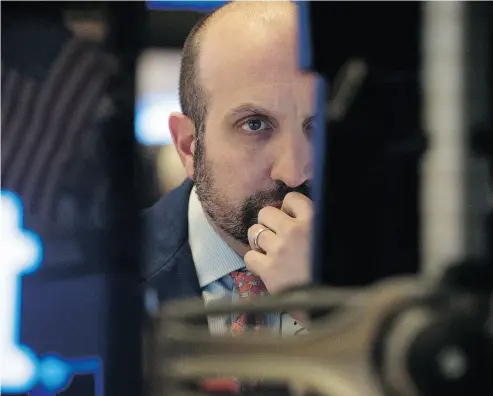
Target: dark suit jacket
{"x": 169, "y": 267}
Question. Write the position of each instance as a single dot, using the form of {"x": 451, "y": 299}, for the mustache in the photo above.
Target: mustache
{"x": 280, "y": 192}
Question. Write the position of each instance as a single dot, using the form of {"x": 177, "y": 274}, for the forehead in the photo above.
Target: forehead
{"x": 246, "y": 59}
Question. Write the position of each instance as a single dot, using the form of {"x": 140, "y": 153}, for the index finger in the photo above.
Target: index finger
{"x": 297, "y": 206}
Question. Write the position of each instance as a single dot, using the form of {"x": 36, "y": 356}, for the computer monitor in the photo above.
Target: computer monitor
{"x": 367, "y": 221}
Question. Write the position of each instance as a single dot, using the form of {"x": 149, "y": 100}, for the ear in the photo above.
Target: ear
{"x": 183, "y": 133}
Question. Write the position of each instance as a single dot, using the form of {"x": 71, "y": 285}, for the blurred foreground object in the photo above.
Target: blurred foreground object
{"x": 401, "y": 337}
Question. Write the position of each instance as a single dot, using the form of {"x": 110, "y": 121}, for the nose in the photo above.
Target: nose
{"x": 293, "y": 160}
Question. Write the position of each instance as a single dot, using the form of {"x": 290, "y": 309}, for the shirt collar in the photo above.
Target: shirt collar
{"x": 213, "y": 258}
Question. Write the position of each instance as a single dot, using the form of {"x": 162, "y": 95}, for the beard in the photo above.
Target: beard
{"x": 234, "y": 218}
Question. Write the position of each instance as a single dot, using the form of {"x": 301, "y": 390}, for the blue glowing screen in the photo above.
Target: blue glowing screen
{"x": 192, "y": 5}
{"x": 22, "y": 369}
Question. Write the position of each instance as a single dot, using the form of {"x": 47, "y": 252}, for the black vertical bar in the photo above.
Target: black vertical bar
{"x": 480, "y": 63}
{"x": 124, "y": 355}
{"x": 125, "y": 24}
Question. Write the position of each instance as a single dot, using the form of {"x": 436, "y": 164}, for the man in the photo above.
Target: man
{"x": 244, "y": 140}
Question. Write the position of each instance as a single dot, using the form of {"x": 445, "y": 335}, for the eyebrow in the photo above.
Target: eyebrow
{"x": 248, "y": 108}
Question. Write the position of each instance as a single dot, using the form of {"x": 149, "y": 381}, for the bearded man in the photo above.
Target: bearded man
{"x": 240, "y": 225}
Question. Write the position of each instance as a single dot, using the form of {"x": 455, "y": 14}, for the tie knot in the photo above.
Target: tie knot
{"x": 248, "y": 284}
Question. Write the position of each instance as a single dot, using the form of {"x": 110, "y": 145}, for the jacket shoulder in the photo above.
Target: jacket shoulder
{"x": 165, "y": 229}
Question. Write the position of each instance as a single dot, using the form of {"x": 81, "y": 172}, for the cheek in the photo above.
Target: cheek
{"x": 239, "y": 169}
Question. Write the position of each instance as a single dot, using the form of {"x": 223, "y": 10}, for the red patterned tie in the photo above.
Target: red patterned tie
{"x": 249, "y": 286}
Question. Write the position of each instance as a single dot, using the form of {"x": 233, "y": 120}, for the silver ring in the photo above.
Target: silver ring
{"x": 255, "y": 237}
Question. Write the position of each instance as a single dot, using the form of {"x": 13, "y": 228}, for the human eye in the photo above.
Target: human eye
{"x": 255, "y": 125}
{"x": 309, "y": 129}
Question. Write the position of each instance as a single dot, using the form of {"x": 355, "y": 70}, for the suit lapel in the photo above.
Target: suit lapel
{"x": 169, "y": 266}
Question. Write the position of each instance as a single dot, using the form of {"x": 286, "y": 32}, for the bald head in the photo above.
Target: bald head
{"x": 252, "y": 110}
{"x": 227, "y": 38}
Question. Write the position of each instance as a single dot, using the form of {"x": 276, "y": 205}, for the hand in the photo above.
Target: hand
{"x": 284, "y": 261}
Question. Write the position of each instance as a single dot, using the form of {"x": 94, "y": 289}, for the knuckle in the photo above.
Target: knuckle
{"x": 248, "y": 258}
{"x": 297, "y": 230}
{"x": 292, "y": 229}
{"x": 305, "y": 228}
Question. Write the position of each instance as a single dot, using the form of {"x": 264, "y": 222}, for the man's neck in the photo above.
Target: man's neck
{"x": 233, "y": 243}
